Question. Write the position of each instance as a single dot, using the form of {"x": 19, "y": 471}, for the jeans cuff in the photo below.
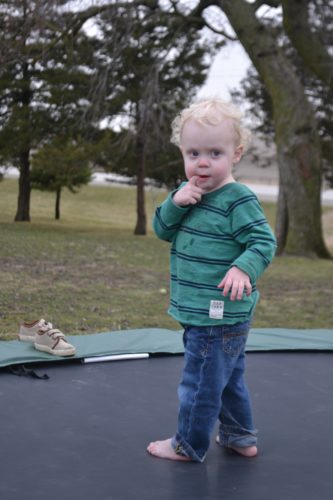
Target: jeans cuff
{"x": 242, "y": 440}
{"x": 181, "y": 447}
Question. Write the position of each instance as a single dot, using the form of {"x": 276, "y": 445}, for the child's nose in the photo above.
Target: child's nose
{"x": 203, "y": 161}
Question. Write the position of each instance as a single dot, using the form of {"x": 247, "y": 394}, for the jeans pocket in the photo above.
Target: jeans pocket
{"x": 234, "y": 343}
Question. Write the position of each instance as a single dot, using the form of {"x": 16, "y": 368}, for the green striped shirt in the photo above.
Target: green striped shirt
{"x": 226, "y": 228}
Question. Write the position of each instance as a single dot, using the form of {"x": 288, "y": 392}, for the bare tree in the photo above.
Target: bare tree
{"x": 299, "y": 227}
{"x": 156, "y": 64}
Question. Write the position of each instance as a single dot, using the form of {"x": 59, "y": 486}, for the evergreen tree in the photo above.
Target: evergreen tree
{"x": 44, "y": 80}
{"x": 58, "y": 165}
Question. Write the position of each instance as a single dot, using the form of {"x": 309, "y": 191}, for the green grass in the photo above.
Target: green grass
{"x": 88, "y": 272}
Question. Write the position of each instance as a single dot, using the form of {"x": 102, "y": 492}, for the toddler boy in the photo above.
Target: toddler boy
{"x": 221, "y": 244}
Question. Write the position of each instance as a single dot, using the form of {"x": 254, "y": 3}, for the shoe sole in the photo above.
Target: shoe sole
{"x": 67, "y": 352}
{"x": 26, "y": 338}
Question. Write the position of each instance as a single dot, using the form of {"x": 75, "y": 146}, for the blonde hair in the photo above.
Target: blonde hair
{"x": 211, "y": 112}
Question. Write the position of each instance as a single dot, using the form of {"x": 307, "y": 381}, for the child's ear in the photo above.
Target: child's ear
{"x": 238, "y": 153}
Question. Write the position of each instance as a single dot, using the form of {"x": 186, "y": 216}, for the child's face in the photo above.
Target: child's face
{"x": 209, "y": 153}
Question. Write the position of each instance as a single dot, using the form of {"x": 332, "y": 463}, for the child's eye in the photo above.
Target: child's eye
{"x": 194, "y": 153}
{"x": 216, "y": 153}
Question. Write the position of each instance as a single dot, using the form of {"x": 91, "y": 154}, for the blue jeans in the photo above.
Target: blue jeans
{"x": 213, "y": 387}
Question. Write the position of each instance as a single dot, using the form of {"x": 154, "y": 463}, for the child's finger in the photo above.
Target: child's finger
{"x": 222, "y": 283}
{"x": 226, "y": 287}
{"x": 234, "y": 290}
{"x": 193, "y": 180}
{"x": 248, "y": 288}
{"x": 193, "y": 200}
{"x": 192, "y": 184}
{"x": 239, "y": 290}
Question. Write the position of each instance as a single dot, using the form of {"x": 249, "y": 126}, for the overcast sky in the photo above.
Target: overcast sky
{"x": 228, "y": 69}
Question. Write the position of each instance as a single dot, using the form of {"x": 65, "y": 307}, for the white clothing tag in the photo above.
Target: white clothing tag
{"x": 216, "y": 309}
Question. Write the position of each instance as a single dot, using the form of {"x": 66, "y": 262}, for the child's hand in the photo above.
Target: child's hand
{"x": 237, "y": 281}
{"x": 190, "y": 194}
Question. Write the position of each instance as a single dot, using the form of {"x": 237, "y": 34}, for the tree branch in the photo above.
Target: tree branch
{"x": 307, "y": 43}
{"x": 271, "y": 3}
{"x": 195, "y": 17}
{"x": 202, "y": 5}
{"x": 220, "y": 32}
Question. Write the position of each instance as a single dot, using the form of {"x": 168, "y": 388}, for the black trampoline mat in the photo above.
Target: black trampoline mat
{"x": 82, "y": 434}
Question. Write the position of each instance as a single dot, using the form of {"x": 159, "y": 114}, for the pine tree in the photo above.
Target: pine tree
{"x": 44, "y": 83}
{"x": 58, "y": 165}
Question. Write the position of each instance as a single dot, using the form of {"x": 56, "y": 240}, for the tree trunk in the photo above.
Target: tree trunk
{"x": 300, "y": 172}
{"x": 57, "y": 203}
{"x": 23, "y": 200}
{"x": 141, "y": 222}
{"x": 297, "y": 139}
{"x": 296, "y": 22}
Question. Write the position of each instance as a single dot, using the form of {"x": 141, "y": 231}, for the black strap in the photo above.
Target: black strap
{"x": 22, "y": 371}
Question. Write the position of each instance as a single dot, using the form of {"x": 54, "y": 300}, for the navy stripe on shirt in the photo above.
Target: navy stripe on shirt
{"x": 205, "y": 260}
{"x": 162, "y": 224}
{"x": 235, "y": 204}
{"x": 203, "y": 286}
{"x": 259, "y": 222}
{"x": 214, "y": 236}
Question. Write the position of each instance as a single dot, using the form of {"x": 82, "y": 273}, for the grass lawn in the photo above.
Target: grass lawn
{"x": 88, "y": 272}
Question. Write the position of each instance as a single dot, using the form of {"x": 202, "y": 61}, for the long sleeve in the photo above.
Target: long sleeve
{"x": 251, "y": 230}
{"x": 168, "y": 218}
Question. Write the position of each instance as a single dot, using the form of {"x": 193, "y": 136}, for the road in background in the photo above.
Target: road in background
{"x": 264, "y": 183}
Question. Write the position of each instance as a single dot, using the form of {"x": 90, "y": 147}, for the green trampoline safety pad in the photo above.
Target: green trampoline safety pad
{"x": 161, "y": 341}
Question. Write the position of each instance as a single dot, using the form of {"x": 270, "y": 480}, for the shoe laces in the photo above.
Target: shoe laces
{"x": 47, "y": 328}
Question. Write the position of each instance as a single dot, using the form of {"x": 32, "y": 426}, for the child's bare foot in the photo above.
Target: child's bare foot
{"x": 248, "y": 451}
{"x": 164, "y": 449}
